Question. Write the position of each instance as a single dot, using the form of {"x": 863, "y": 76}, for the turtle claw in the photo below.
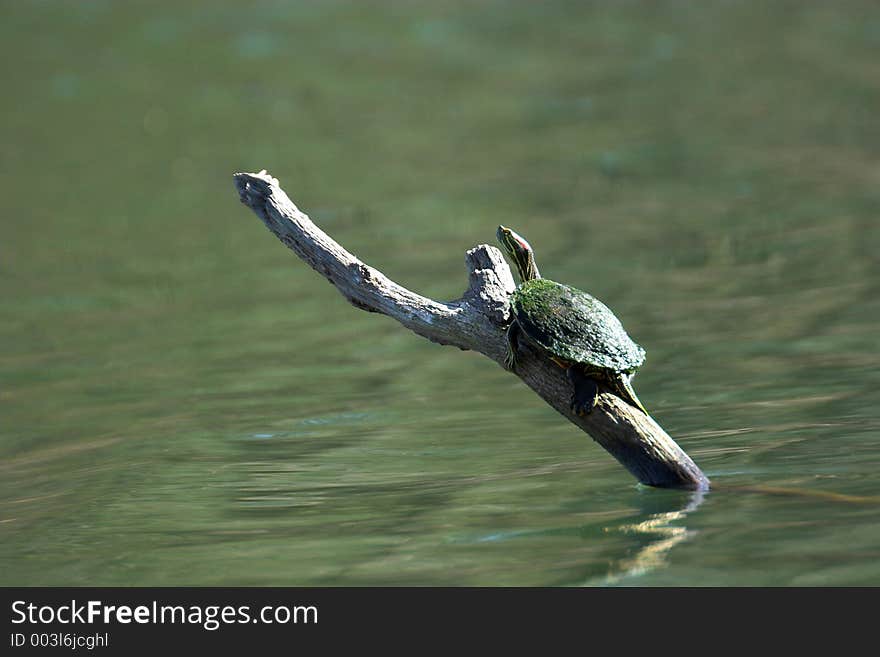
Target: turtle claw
{"x": 512, "y": 346}
{"x": 581, "y": 408}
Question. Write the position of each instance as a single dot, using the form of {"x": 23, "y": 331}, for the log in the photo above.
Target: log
{"x": 477, "y": 322}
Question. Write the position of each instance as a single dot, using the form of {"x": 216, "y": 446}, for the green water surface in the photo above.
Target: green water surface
{"x": 183, "y": 402}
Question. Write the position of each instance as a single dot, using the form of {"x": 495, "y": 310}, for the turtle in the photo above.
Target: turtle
{"x": 574, "y": 329}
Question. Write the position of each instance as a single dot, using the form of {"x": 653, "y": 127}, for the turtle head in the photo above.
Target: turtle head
{"x": 520, "y": 252}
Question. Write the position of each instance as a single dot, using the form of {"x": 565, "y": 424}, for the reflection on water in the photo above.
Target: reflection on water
{"x": 183, "y": 402}
{"x": 662, "y": 536}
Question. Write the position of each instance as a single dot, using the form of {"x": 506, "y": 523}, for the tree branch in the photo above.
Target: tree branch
{"x": 477, "y": 321}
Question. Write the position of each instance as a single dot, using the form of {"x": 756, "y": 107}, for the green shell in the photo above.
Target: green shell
{"x": 574, "y": 326}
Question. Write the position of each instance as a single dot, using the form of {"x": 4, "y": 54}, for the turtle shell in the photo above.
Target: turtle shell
{"x": 574, "y": 326}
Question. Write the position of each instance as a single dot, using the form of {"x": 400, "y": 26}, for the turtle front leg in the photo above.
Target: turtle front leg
{"x": 512, "y": 346}
{"x": 586, "y": 391}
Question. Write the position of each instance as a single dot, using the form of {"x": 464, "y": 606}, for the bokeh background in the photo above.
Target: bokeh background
{"x": 183, "y": 402}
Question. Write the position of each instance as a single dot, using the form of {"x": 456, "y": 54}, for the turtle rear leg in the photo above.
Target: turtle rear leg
{"x": 586, "y": 391}
{"x": 512, "y": 346}
{"x": 623, "y": 387}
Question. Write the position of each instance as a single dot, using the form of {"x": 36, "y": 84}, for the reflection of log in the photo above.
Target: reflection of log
{"x": 662, "y": 535}
{"x": 476, "y": 322}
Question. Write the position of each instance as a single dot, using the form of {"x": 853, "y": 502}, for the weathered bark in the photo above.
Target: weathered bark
{"x": 477, "y": 322}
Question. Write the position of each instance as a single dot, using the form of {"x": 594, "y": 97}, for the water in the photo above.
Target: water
{"x": 184, "y": 402}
